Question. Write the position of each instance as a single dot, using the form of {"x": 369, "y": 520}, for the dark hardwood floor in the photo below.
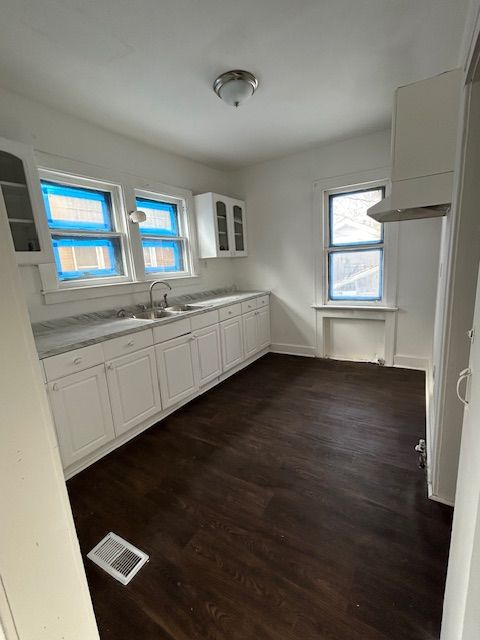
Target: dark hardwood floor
{"x": 285, "y": 504}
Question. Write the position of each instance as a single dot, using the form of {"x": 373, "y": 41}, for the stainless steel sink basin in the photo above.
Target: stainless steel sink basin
{"x": 152, "y": 314}
{"x": 180, "y": 308}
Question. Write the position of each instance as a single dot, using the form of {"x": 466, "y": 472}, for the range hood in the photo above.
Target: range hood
{"x": 426, "y": 197}
{"x": 424, "y": 141}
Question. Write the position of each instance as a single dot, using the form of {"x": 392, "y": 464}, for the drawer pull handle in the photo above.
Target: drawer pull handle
{"x": 77, "y": 360}
{"x": 131, "y": 343}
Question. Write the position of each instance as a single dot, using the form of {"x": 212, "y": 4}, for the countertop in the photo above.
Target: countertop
{"x": 65, "y": 334}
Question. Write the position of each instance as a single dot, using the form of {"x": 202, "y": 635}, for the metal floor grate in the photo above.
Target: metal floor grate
{"x": 118, "y": 557}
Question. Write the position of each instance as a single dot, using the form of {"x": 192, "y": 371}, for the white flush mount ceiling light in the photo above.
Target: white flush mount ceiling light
{"x": 235, "y": 87}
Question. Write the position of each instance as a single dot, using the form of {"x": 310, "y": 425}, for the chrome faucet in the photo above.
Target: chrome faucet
{"x": 165, "y": 301}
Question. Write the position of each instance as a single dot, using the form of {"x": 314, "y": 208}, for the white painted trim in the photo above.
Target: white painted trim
{"x": 293, "y": 350}
{"x": 152, "y": 420}
{"x": 58, "y": 296}
{"x": 358, "y": 307}
{"x": 411, "y": 362}
{"x": 436, "y": 498}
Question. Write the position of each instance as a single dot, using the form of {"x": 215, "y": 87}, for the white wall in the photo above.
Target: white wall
{"x": 62, "y": 141}
{"x": 43, "y": 588}
{"x": 282, "y": 245}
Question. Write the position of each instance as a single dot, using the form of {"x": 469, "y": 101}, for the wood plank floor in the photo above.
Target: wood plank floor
{"x": 285, "y": 504}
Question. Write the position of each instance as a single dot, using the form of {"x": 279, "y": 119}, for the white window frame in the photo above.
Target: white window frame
{"x": 184, "y": 203}
{"x": 345, "y": 184}
{"x": 48, "y": 272}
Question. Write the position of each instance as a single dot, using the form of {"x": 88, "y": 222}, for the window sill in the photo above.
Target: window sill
{"x": 73, "y": 294}
{"x": 355, "y": 307}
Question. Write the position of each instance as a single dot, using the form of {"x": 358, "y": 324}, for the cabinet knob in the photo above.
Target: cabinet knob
{"x": 193, "y": 337}
{"x": 55, "y": 386}
{"x": 131, "y": 343}
{"x": 110, "y": 367}
{"x": 77, "y": 360}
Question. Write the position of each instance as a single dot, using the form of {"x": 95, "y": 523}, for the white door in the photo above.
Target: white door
{"x": 231, "y": 333}
{"x": 461, "y": 619}
{"x": 177, "y": 365}
{"x": 263, "y": 328}
{"x": 250, "y": 333}
{"x": 209, "y": 354}
{"x": 133, "y": 386}
{"x": 81, "y": 409}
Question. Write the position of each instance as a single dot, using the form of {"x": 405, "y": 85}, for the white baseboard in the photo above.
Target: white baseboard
{"x": 435, "y": 498}
{"x": 293, "y": 350}
{"x": 411, "y": 362}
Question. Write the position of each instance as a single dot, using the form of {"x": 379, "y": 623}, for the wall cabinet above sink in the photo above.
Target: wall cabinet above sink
{"x": 221, "y": 226}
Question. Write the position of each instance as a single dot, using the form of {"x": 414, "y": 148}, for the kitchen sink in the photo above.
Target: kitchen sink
{"x": 152, "y": 314}
{"x": 180, "y": 308}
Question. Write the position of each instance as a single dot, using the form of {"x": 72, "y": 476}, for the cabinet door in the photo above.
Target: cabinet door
{"x": 238, "y": 228}
{"x": 263, "y": 328}
{"x": 20, "y": 190}
{"x": 222, "y": 226}
{"x": 209, "y": 354}
{"x": 231, "y": 333}
{"x": 133, "y": 387}
{"x": 250, "y": 333}
{"x": 81, "y": 410}
{"x": 177, "y": 365}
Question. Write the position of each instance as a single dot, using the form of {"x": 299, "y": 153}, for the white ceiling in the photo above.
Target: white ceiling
{"x": 144, "y": 68}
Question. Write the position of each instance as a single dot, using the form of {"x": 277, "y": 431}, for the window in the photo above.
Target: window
{"x": 355, "y": 250}
{"x": 86, "y": 238}
{"x": 164, "y": 235}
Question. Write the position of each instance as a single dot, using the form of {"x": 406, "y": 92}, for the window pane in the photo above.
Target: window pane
{"x": 80, "y": 258}
{"x": 77, "y": 208}
{"x": 163, "y": 255}
{"x": 356, "y": 275}
{"x": 349, "y": 222}
{"x": 162, "y": 217}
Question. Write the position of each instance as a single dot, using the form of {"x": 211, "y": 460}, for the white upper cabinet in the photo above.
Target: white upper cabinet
{"x": 20, "y": 190}
{"x": 133, "y": 387}
{"x": 425, "y": 123}
{"x": 221, "y": 226}
{"x": 424, "y": 141}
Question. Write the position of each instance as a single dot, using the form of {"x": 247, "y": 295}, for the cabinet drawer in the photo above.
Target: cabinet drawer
{"x": 72, "y": 361}
{"x": 249, "y": 305}
{"x": 171, "y": 330}
{"x": 230, "y": 311}
{"x": 263, "y": 301}
{"x": 204, "y": 320}
{"x": 127, "y": 344}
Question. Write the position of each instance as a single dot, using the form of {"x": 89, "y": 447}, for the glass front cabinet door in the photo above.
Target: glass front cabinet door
{"x": 221, "y": 226}
{"x": 21, "y": 201}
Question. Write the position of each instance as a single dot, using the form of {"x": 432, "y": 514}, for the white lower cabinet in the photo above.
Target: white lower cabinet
{"x": 209, "y": 354}
{"x": 133, "y": 387}
{"x": 231, "y": 334}
{"x": 109, "y": 394}
{"x": 263, "y": 328}
{"x": 250, "y": 333}
{"x": 177, "y": 363}
{"x": 256, "y": 331}
{"x": 81, "y": 410}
